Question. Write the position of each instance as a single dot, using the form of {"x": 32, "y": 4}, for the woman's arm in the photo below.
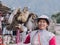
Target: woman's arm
{"x": 52, "y": 41}
{"x": 27, "y": 40}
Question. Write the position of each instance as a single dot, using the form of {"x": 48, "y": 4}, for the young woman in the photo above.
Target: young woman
{"x": 41, "y": 36}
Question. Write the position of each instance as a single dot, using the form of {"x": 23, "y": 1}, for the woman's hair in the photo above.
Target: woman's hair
{"x": 47, "y": 28}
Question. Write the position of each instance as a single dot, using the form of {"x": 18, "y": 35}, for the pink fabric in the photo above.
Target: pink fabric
{"x": 18, "y": 36}
{"x": 52, "y": 41}
{"x": 27, "y": 39}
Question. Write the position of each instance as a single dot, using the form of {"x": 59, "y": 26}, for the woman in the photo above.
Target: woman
{"x": 41, "y": 36}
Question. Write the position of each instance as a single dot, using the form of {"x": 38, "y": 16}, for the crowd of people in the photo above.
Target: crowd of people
{"x": 27, "y": 27}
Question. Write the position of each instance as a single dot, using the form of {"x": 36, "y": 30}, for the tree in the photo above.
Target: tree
{"x": 56, "y": 17}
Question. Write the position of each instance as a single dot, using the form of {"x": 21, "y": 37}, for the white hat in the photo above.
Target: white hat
{"x": 44, "y": 17}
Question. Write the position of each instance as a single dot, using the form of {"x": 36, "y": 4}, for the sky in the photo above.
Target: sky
{"x": 40, "y": 7}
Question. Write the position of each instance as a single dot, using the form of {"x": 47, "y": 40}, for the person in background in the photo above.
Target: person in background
{"x": 6, "y": 31}
{"x": 41, "y": 36}
{"x": 1, "y": 19}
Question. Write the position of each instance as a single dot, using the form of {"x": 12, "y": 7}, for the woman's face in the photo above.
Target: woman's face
{"x": 42, "y": 24}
